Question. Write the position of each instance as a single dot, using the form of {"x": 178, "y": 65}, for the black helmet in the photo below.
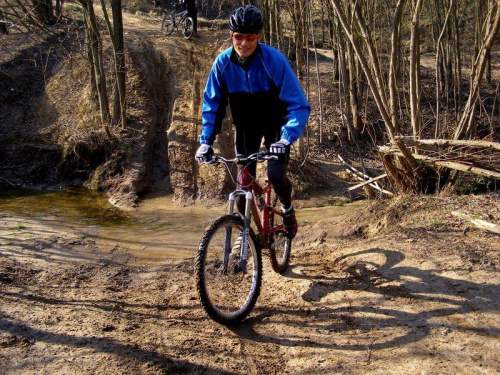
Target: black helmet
{"x": 246, "y": 20}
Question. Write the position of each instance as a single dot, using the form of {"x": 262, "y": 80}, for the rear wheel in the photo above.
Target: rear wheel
{"x": 188, "y": 28}
{"x": 226, "y": 293}
{"x": 280, "y": 245}
{"x": 168, "y": 24}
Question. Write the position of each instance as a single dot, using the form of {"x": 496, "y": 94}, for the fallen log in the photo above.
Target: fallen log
{"x": 359, "y": 173}
{"x": 7, "y": 181}
{"x": 367, "y": 182}
{"x": 448, "y": 164}
{"x": 452, "y": 142}
{"x": 363, "y": 177}
{"x": 371, "y": 184}
{"x": 479, "y": 223}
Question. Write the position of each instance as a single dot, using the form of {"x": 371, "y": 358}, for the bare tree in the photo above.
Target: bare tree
{"x": 3, "y": 24}
{"x": 95, "y": 42}
{"x": 116, "y": 36}
{"x": 44, "y": 11}
{"x": 395, "y": 55}
{"x": 466, "y": 123}
{"x": 416, "y": 114}
{"x": 320, "y": 102}
{"x": 457, "y": 92}
{"x": 369, "y": 67}
{"x": 438, "y": 83}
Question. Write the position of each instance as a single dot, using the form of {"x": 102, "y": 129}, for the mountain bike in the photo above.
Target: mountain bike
{"x": 175, "y": 19}
{"x": 228, "y": 265}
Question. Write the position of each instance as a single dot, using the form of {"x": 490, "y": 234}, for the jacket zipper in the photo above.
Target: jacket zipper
{"x": 248, "y": 82}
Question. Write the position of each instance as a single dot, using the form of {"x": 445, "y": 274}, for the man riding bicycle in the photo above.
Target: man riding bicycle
{"x": 266, "y": 101}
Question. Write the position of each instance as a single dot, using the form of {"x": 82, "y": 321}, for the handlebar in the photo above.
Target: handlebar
{"x": 259, "y": 157}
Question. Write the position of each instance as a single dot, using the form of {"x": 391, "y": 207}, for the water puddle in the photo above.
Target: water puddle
{"x": 155, "y": 232}
{"x": 312, "y": 214}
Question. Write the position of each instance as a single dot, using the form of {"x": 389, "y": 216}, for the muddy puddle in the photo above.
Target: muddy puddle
{"x": 156, "y": 231}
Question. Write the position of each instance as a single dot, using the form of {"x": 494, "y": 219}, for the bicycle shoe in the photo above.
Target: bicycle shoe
{"x": 290, "y": 222}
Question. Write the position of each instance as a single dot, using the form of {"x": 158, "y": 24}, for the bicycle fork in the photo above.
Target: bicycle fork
{"x": 241, "y": 266}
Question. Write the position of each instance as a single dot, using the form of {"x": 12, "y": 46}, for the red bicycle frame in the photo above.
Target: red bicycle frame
{"x": 261, "y": 199}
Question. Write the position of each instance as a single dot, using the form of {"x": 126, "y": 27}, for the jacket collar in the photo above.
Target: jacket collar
{"x": 245, "y": 63}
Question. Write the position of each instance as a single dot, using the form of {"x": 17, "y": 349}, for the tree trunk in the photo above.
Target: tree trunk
{"x": 466, "y": 122}
{"x": 265, "y": 18}
{"x": 97, "y": 60}
{"x": 438, "y": 93}
{"x": 116, "y": 36}
{"x": 3, "y": 24}
{"x": 372, "y": 53}
{"x": 277, "y": 25}
{"x": 298, "y": 38}
{"x": 94, "y": 97}
{"x": 334, "y": 44}
{"x": 59, "y": 4}
{"x": 393, "y": 76}
{"x": 458, "y": 63}
{"x": 415, "y": 111}
{"x": 488, "y": 67}
{"x": 353, "y": 90}
{"x": 119, "y": 101}
{"x": 378, "y": 96}
{"x": 346, "y": 109}
{"x": 269, "y": 33}
{"x": 44, "y": 11}
{"x": 439, "y": 49}
{"x": 320, "y": 102}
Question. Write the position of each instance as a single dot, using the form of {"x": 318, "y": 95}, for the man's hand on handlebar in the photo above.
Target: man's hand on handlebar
{"x": 280, "y": 147}
{"x": 204, "y": 154}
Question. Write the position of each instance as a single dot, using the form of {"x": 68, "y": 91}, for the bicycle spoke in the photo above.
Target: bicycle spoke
{"x": 279, "y": 243}
{"x": 168, "y": 24}
{"x": 227, "y": 293}
{"x": 228, "y": 290}
{"x": 188, "y": 27}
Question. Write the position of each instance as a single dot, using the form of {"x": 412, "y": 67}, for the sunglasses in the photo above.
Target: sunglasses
{"x": 248, "y": 37}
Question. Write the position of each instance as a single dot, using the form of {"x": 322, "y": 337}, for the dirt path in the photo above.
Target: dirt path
{"x": 395, "y": 288}
{"x": 358, "y": 298}
{"x": 188, "y": 63}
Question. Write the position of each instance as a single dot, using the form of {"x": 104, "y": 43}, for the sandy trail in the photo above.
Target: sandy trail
{"x": 356, "y": 299}
{"x": 393, "y": 288}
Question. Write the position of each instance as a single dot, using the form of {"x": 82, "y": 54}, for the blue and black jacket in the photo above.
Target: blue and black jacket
{"x": 263, "y": 94}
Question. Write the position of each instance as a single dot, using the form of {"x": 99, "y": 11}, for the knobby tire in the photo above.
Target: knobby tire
{"x": 280, "y": 251}
{"x": 280, "y": 245}
{"x": 168, "y": 24}
{"x": 188, "y": 27}
{"x": 218, "y": 287}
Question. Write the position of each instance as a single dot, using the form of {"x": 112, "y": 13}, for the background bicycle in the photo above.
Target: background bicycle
{"x": 229, "y": 263}
{"x": 175, "y": 18}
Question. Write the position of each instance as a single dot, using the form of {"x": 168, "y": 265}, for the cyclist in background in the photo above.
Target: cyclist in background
{"x": 192, "y": 11}
{"x": 266, "y": 101}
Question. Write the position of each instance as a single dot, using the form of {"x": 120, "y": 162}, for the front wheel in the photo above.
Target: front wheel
{"x": 188, "y": 28}
{"x": 168, "y": 24}
{"x": 227, "y": 293}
